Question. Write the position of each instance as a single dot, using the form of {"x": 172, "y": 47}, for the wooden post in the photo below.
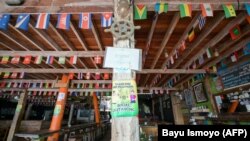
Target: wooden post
{"x": 59, "y": 109}
{"x": 161, "y": 108}
{"x": 18, "y": 116}
{"x": 28, "y": 111}
{"x": 97, "y": 113}
{"x": 71, "y": 114}
{"x": 176, "y": 104}
{"x": 124, "y": 128}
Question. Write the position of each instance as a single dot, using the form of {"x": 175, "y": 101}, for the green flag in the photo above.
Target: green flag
{"x": 140, "y": 12}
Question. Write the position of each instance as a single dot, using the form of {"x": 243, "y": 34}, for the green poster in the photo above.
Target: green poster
{"x": 124, "y": 99}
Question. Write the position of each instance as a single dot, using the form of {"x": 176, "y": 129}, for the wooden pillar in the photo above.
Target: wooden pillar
{"x": 18, "y": 116}
{"x": 96, "y": 107}
{"x": 71, "y": 114}
{"x": 59, "y": 109}
{"x": 28, "y": 111}
{"x": 161, "y": 108}
{"x": 124, "y": 128}
{"x": 176, "y": 106}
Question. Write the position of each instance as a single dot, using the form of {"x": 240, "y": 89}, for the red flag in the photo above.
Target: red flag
{"x": 27, "y": 60}
{"x": 98, "y": 60}
{"x": 97, "y": 86}
{"x": 235, "y": 32}
{"x": 106, "y": 76}
{"x": 97, "y": 76}
{"x": 15, "y": 60}
{"x": 85, "y": 21}
{"x": 71, "y": 75}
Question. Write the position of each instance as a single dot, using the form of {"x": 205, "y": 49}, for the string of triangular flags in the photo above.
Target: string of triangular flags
{"x": 39, "y": 59}
{"x": 234, "y": 57}
{"x": 63, "y": 21}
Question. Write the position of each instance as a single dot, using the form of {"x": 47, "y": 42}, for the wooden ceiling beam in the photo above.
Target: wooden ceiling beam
{"x": 240, "y": 18}
{"x": 164, "y": 42}
{"x": 28, "y": 38}
{"x": 97, "y": 36}
{"x": 9, "y": 36}
{"x": 177, "y": 45}
{"x": 144, "y": 71}
{"x": 228, "y": 51}
{"x": 100, "y": 6}
{"x": 82, "y": 42}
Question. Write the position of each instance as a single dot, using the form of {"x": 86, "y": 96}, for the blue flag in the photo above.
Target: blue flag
{"x": 4, "y": 20}
{"x": 247, "y": 8}
{"x": 23, "y": 21}
{"x": 246, "y": 49}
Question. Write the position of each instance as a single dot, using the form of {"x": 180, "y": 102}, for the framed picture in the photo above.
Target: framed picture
{"x": 188, "y": 97}
{"x": 199, "y": 93}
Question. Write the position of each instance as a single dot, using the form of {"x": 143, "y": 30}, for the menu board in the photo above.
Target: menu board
{"x": 235, "y": 75}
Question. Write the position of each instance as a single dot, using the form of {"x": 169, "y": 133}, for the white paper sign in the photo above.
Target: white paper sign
{"x": 123, "y": 58}
{"x": 61, "y": 96}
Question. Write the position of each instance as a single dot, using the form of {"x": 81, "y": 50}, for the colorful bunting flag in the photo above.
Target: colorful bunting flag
{"x": 234, "y": 57}
{"x": 201, "y": 60}
{"x": 247, "y": 6}
{"x": 97, "y": 75}
{"x": 161, "y": 7}
{"x": 4, "y": 20}
{"x": 183, "y": 45}
{"x": 246, "y": 49}
{"x": 88, "y": 75}
{"x": 14, "y": 75}
{"x": 172, "y": 60}
{"x": 235, "y": 32}
{"x": 15, "y": 60}
{"x": 209, "y": 53}
{"x": 140, "y": 12}
{"x": 106, "y": 19}
{"x": 98, "y": 59}
{"x": 43, "y": 21}
{"x": 27, "y": 60}
{"x": 186, "y": 10}
{"x": 73, "y": 59}
{"x": 229, "y": 10}
{"x": 97, "y": 86}
{"x": 71, "y": 75}
{"x": 79, "y": 76}
{"x": 23, "y": 21}
{"x": 22, "y": 75}
{"x": 63, "y": 21}
{"x": 214, "y": 68}
{"x": 207, "y": 10}
{"x": 38, "y": 59}
{"x": 202, "y": 22}
{"x": 191, "y": 35}
{"x": 5, "y": 60}
{"x": 85, "y": 21}
{"x": 50, "y": 60}
{"x": 106, "y": 76}
{"x": 6, "y": 75}
{"x": 62, "y": 60}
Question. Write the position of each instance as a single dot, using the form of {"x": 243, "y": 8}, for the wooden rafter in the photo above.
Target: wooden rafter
{"x": 177, "y": 45}
{"x": 97, "y": 36}
{"x": 218, "y": 59}
{"x": 164, "y": 42}
{"x": 214, "y": 41}
{"x": 82, "y": 42}
{"x": 145, "y": 71}
{"x": 107, "y": 6}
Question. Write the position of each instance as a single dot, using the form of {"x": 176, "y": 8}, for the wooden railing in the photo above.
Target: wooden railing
{"x": 88, "y": 132}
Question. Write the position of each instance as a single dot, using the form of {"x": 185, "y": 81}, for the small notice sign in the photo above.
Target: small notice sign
{"x": 123, "y": 58}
